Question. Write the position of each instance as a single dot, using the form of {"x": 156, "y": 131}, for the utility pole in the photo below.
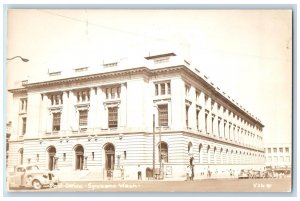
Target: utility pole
{"x": 153, "y": 152}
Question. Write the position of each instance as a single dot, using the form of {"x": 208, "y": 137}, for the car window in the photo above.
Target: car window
{"x": 20, "y": 169}
{"x": 32, "y": 167}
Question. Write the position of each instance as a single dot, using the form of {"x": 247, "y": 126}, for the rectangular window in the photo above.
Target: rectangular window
{"x": 169, "y": 87}
{"x": 212, "y": 124}
{"x": 162, "y": 89}
{"x": 187, "y": 90}
{"x": 125, "y": 155}
{"x": 197, "y": 96}
{"x": 197, "y": 118}
{"x": 118, "y": 92}
{"x": 187, "y": 115}
{"x": 163, "y": 115}
{"x": 274, "y": 150}
{"x": 287, "y": 150}
{"x": 23, "y": 125}
{"x": 64, "y": 157}
{"x": 113, "y": 117}
{"x": 269, "y": 150}
{"x": 83, "y": 117}
{"x": 107, "y": 93}
{"x": 112, "y": 91}
{"x": 93, "y": 155}
{"x": 212, "y": 105}
{"x": 269, "y": 158}
{"x": 275, "y": 159}
{"x": 56, "y": 122}
{"x": 206, "y": 99}
{"x": 23, "y": 105}
{"x": 37, "y": 158}
{"x": 219, "y": 122}
{"x": 206, "y": 115}
{"x": 156, "y": 89}
{"x": 281, "y": 159}
{"x": 281, "y": 150}
{"x": 287, "y": 159}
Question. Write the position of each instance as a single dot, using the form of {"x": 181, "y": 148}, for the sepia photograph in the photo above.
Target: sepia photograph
{"x": 148, "y": 100}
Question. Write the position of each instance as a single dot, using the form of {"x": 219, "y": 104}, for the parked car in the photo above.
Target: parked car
{"x": 31, "y": 176}
{"x": 256, "y": 174}
{"x": 244, "y": 174}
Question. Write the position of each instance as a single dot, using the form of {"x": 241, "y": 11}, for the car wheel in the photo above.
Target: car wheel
{"x": 36, "y": 184}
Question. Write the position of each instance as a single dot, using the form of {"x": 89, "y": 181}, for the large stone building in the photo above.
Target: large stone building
{"x": 278, "y": 155}
{"x": 107, "y": 120}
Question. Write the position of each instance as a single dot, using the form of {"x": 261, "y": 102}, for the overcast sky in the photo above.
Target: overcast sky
{"x": 246, "y": 53}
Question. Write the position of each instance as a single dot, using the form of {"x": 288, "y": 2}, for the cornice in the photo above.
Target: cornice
{"x": 83, "y": 78}
{"x": 18, "y": 90}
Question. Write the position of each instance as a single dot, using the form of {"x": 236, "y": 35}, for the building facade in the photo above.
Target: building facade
{"x": 278, "y": 155}
{"x": 157, "y": 112}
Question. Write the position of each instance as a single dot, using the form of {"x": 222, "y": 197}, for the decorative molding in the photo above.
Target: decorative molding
{"x": 110, "y": 103}
{"x": 82, "y": 106}
{"x": 55, "y": 109}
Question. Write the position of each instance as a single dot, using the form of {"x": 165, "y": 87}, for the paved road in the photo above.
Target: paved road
{"x": 210, "y": 185}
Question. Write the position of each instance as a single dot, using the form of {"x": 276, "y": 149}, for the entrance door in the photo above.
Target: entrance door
{"x": 109, "y": 157}
{"x": 79, "y": 152}
{"x": 51, "y": 160}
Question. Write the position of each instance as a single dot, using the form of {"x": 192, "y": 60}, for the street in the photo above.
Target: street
{"x": 207, "y": 185}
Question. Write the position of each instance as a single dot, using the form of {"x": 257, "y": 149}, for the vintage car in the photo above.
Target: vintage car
{"x": 244, "y": 174}
{"x": 31, "y": 176}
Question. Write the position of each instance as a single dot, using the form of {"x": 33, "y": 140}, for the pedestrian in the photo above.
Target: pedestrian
{"x": 208, "y": 172}
{"x": 188, "y": 169}
{"x": 192, "y": 172}
{"x": 139, "y": 172}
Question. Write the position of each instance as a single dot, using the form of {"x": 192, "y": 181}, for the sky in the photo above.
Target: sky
{"x": 246, "y": 53}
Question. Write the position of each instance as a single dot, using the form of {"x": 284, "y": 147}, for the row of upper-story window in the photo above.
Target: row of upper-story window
{"x": 82, "y": 96}
{"x": 216, "y": 109}
{"x": 278, "y": 150}
{"x": 278, "y": 159}
{"x": 83, "y": 119}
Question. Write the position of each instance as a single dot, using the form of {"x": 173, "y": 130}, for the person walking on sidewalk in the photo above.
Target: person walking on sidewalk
{"x": 139, "y": 172}
{"x": 188, "y": 173}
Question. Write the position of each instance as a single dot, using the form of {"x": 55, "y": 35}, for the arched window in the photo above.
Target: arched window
{"x": 163, "y": 150}
{"x": 208, "y": 154}
{"x": 190, "y": 148}
{"x": 215, "y": 157}
{"x": 221, "y": 155}
{"x": 200, "y": 149}
{"x": 21, "y": 156}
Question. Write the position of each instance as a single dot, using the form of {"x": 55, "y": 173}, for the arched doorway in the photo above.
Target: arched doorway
{"x": 109, "y": 150}
{"x": 79, "y": 154}
{"x": 51, "y": 157}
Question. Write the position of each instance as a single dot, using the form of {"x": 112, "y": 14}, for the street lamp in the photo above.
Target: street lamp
{"x": 23, "y": 59}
